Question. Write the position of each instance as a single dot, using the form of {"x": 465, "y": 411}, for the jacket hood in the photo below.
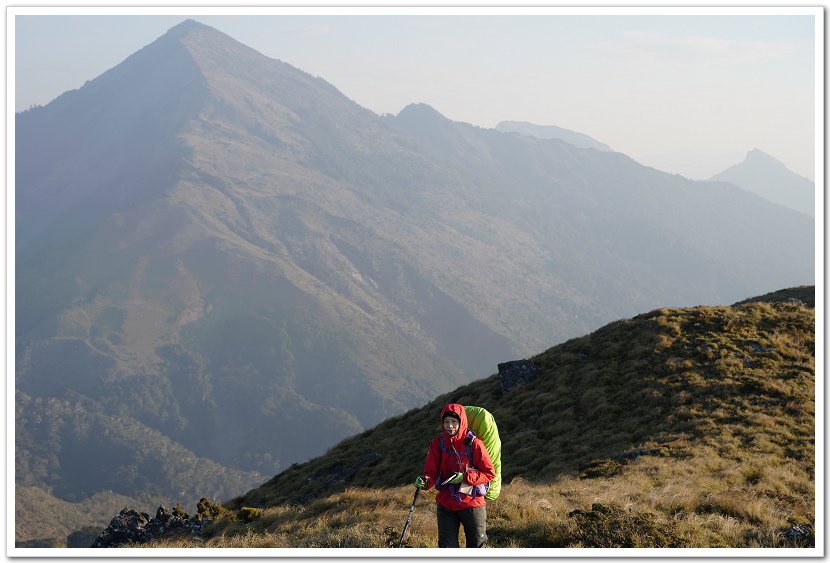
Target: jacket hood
{"x": 462, "y": 414}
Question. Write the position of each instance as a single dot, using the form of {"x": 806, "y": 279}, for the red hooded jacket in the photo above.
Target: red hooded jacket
{"x": 441, "y": 465}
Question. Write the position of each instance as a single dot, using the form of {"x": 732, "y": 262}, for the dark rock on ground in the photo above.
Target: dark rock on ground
{"x": 802, "y": 536}
{"x": 517, "y": 373}
{"x": 131, "y": 527}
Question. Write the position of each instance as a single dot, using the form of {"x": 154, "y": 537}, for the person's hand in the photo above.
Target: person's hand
{"x": 456, "y": 479}
{"x": 421, "y": 482}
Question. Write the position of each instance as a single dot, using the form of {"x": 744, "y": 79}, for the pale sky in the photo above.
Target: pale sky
{"x": 686, "y": 92}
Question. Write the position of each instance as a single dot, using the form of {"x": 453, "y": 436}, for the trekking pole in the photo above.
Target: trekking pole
{"x": 408, "y": 518}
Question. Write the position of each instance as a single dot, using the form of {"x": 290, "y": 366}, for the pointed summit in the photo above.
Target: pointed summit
{"x": 759, "y": 157}
{"x": 186, "y": 26}
{"x": 131, "y": 115}
{"x": 770, "y": 179}
{"x": 192, "y": 82}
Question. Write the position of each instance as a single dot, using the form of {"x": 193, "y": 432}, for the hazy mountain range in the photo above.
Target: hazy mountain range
{"x": 225, "y": 266}
{"x": 767, "y": 177}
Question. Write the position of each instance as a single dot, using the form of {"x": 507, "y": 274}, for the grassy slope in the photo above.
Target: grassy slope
{"x": 720, "y": 398}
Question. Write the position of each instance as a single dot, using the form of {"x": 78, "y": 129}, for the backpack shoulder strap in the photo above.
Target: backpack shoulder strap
{"x": 468, "y": 443}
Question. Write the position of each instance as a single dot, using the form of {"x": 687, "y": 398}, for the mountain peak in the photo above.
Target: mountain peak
{"x": 768, "y": 177}
{"x": 184, "y": 29}
{"x": 421, "y": 111}
{"x": 187, "y": 25}
{"x": 759, "y": 156}
{"x": 427, "y": 123}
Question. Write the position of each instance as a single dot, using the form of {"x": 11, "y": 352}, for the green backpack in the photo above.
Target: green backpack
{"x": 482, "y": 423}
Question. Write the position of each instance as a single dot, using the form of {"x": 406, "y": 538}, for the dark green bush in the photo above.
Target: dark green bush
{"x": 179, "y": 512}
{"x": 248, "y": 513}
{"x": 206, "y": 510}
{"x": 601, "y": 468}
{"x": 611, "y": 526}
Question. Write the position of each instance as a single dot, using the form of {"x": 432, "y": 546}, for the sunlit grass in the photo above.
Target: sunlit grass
{"x": 654, "y": 502}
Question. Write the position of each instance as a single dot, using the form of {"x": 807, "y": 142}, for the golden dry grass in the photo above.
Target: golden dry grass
{"x": 654, "y": 502}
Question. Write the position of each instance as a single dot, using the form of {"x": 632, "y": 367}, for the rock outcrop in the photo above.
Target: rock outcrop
{"x": 517, "y": 373}
{"x": 130, "y": 527}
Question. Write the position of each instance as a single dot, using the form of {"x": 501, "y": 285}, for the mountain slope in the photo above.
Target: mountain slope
{"x": 199, "y": 258}
{"x": 220, "y": 251}
{"x": 552, "y": 132}
{"x": 765, "y": 176}
{"x": 700, "y": 420}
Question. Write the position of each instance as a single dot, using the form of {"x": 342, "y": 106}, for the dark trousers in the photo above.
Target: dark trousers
{"x": 474, "y": 521}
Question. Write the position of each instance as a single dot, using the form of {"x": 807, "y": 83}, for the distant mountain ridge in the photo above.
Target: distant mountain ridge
{"x": 769, "y": 178}
{"x": 224, "y": 254}
{"x": 552, "y": 132}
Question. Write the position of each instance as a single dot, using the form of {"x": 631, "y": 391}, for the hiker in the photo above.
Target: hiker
{"x": 460, "y": 481}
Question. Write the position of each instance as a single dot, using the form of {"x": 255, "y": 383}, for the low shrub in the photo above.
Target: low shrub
{"x": 207, "y": 510}
{"x": 249, "y": 514}
{"x": 601, "y": 468}
{"x": 611, "y": 526}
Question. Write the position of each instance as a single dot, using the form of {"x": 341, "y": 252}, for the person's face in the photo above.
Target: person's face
{"x": 451, "y": 425}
